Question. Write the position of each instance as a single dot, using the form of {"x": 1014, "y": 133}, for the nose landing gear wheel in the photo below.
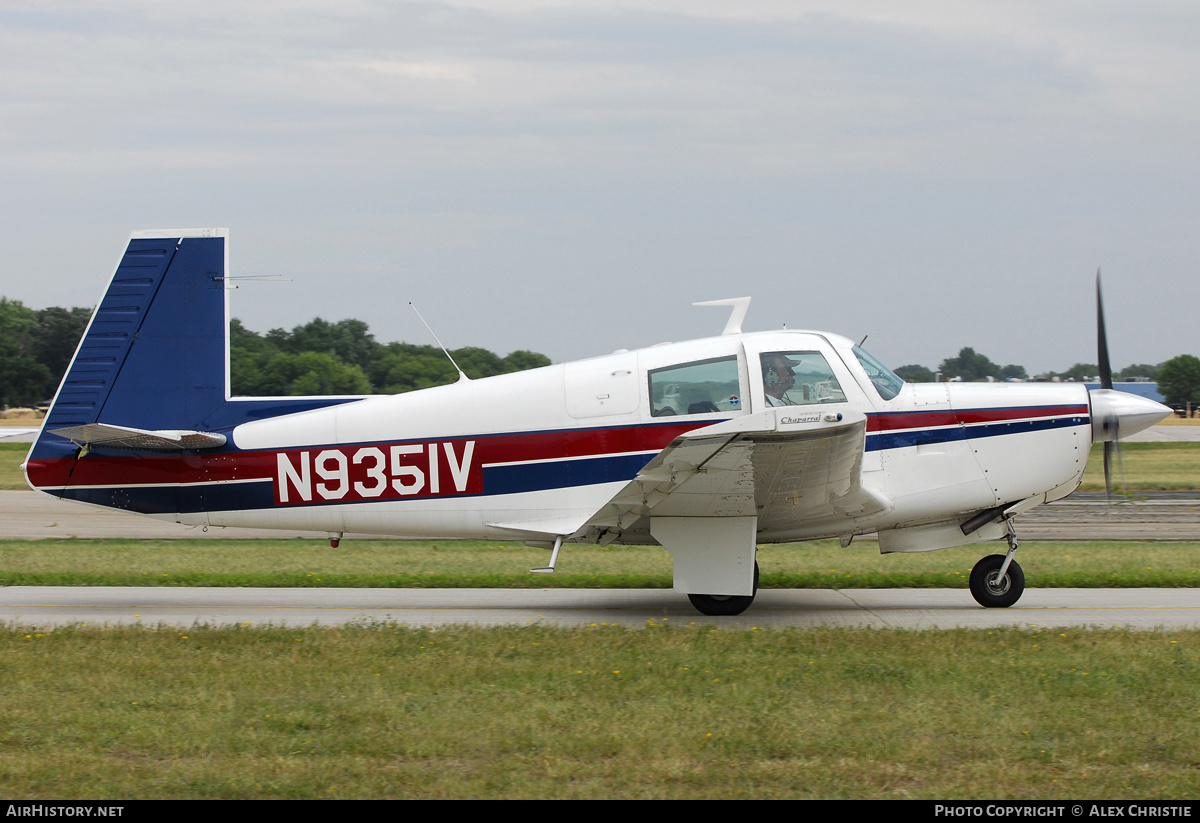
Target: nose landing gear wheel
{"x": 991, "y": 590}
{"x": 724, "y": 605}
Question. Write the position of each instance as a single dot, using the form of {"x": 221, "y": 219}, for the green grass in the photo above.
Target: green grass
{"x": 1147, "y": 467}
{"x": 424, "y": 564}
{"x": 679, "y": 712}
{"x": 11, "y": 456}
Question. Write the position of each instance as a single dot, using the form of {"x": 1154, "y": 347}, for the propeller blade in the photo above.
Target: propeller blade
{"x": 1102, "y": 340}
{"x": 1120, "y": 469}
{"x": 1105, "y": 383}
{"x": 1108, "y": 473}
{"x": 1116, "y": 414}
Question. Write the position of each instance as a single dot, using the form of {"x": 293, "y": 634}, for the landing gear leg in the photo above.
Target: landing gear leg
{"x": 997, "y": 581}
{"x": 725, "y": 604}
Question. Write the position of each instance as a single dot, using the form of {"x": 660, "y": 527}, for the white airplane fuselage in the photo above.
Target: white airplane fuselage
{"x": 526, "y": 447}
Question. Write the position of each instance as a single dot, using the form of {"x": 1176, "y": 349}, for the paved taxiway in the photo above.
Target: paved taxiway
{"x": 47, "y": 606}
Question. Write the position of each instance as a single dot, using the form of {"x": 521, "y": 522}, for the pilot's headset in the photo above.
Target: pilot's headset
{"x": 771, "y": 377}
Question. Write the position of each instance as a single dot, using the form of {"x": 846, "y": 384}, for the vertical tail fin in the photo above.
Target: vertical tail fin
{"x": 155, "y": 355}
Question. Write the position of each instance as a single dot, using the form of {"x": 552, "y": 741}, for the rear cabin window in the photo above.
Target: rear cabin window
{"x": 799, "y": 378}
{"x": 701, "y": 387}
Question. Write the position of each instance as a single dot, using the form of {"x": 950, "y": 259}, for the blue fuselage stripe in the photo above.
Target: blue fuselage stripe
{"x": 201, "y": 497}
{"x": 533, "y": 477}
{"x": 921, "y": 437}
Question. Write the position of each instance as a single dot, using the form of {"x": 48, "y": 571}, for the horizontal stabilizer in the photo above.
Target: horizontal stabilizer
{"x": 106, "y": 434}
{"x": 564, "y": 526}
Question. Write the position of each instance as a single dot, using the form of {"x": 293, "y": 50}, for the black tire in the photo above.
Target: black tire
{"x": 992, "y": 593}
{"x": 724, "y": 605}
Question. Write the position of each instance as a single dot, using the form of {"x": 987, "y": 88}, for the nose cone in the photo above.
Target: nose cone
{"x": 1118, "y": 414}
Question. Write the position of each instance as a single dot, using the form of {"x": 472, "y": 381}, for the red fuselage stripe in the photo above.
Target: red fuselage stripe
{"x": 98, "y": 470}
{"x": 899, "y": 421}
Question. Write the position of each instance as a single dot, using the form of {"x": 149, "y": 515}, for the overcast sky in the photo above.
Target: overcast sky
{"x": 569, "y": 177}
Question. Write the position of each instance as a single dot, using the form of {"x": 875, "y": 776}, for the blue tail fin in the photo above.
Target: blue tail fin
{"x": 156, "y": 352}
{"x": 144, "y": 408}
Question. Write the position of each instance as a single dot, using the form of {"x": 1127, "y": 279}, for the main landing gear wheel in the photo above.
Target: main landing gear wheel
{"x": 724, "y": 605}
{"x": 993, "y": 591}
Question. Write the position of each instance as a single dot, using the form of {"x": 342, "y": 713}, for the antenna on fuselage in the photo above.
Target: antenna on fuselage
{"x": 740, "y": 306}
{"x": 462, "y": 375}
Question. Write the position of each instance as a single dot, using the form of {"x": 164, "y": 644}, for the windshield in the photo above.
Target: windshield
{"x": 883, "y": 379}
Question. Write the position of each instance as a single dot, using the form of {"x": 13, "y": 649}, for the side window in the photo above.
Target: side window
{"x": 701, "y": 387}
{"x": 798, "y": 378}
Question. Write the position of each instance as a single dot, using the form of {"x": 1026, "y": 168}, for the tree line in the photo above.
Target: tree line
{"x": 35, "y": 349}
{"x": 318, "y": 357}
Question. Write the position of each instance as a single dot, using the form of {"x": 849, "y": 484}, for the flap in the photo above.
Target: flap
{"x": 785, "y": 478}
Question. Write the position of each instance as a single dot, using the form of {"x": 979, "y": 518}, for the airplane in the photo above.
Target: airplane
{"x": 708, "y": 447}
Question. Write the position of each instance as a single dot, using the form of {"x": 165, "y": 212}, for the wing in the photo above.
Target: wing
{"x": 788, "y": 475}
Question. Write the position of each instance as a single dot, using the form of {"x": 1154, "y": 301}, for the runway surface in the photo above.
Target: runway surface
{"x": 1136, "y": 609}
{"x": 1166, "y": 434}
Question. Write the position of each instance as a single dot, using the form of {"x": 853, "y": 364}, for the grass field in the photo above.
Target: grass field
{"x": 11, "y": 455}
{"x": 668, "y": 712}
{"x": 468, "y": 563}
{"x": 1147, "y": 467}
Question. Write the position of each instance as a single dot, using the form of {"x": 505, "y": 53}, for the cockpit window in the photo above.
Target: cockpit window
{"x": 799, "y": 378}
{"x": 701, "y": 387}
{"x": 882, "y": 378}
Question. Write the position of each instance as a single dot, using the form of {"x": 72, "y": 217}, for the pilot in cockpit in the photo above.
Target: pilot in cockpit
{"x": 778, "y": 378}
